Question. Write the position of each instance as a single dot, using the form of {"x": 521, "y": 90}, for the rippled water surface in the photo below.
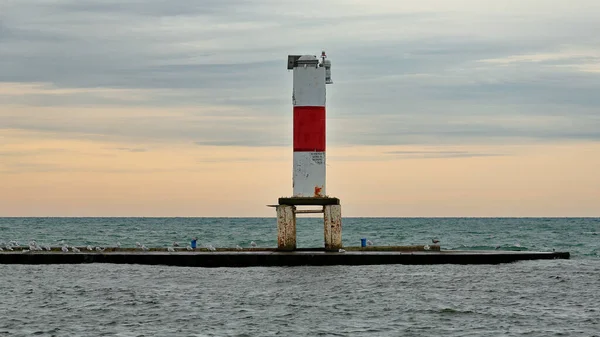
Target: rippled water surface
{"x": 530, "y": 298}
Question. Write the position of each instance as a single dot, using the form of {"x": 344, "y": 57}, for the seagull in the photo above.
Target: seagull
{"x": 1, "y": 249}
{"x": 89, "y": 247}
{"x": 426, "y": 247}
{"x": 238, "y": 247}
{"x": 189, "y": 248}
{"x": 138, "y": 244}
{"x": 342, "y": 250}
{"x": 144, "y": 247}
{"x": 75, "y": 250}
{"x": 65, "y": 249}
{"x": 369, "y": 243}
{"x": 435, "y": 240}
{"x": 47, "y": 248}
{"x": 118, "y": 245}
{"x": 98, "y": 249}
{"x": 211, "y": 248}
{"x": 170, "y": 249}
{"x": 253, "y": 244}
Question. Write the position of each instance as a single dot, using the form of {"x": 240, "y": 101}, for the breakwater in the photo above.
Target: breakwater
{"x": 261, "y": 257}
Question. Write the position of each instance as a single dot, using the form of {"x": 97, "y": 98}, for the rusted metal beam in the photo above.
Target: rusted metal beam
{"x": 309, "y": 211}
{"x": 309, "y": 201}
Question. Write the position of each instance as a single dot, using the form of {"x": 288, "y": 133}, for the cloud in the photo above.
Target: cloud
{"x": 128, "y": 149}
{"x": 428, "y": 72}
{"x": 442, "y": 154}
{"x": 255, "y": 140}
{"x": 20, "y": 168}
{"x": 32, "y": 152}
{"x": 589, "y": 55}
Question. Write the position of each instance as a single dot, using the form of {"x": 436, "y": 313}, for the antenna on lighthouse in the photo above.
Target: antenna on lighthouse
{"x": 327, "y": 65}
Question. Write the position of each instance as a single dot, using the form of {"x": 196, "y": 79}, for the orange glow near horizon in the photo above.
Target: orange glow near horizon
{"x": 42, "y": 174}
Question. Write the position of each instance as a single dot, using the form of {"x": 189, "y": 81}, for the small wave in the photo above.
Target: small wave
{"x": 485, "y": 247}
{"x": 445, "y": 311}
{"x": 454, "y": 311}
{"x": 595, "y": 252}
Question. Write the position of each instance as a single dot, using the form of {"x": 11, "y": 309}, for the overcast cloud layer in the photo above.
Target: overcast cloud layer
{"x": 426, "y": 72}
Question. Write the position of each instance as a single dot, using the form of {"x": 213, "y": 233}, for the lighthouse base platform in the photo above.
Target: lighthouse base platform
{"x": 309, "y": 201}
{"x": 258, "y": 257}
{"x": 287, "y": 209}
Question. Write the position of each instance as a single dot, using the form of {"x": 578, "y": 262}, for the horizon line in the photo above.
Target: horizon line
{"x": 308, "y": 217}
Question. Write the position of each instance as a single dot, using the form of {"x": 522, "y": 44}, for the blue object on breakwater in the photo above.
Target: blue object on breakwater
{"x": 363, "y": 242}
{"x": 194, "y": 243}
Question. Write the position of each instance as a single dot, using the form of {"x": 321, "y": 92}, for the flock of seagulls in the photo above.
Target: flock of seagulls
{"x": 34, "y": 246}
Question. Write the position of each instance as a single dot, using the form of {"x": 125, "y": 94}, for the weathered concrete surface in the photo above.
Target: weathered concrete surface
{"x": 332, "y": 221}
{"x": 286, "y": 228}
{"x": 394, "y": 248}
{"x": 276, "y": 258}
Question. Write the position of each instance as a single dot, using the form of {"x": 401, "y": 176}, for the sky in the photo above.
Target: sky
{"x": 183, "y": 108}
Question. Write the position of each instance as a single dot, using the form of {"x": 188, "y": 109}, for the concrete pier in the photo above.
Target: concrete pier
{"x": 332, "y": 221}
{"x": 275, "y": 258}
{"x": 286, "y": 227}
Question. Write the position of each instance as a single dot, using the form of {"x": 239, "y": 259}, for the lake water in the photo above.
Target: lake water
{"x": 529, "y": 298}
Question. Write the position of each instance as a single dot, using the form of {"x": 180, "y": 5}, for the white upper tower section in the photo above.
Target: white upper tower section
{"x": 309, "y": 82}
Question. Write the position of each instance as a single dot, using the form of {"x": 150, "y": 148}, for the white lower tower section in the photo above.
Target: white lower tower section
{"x": 309, "y": 174}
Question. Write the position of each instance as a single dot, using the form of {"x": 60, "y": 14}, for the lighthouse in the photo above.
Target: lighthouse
{"x": 311, "y": 74}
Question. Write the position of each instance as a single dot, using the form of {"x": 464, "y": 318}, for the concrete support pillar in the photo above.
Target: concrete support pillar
{"x": 286, "y": 227}
{"x": 332, "y": 216}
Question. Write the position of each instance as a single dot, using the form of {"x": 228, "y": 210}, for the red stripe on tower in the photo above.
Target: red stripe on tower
{"x": 309, "y": 128}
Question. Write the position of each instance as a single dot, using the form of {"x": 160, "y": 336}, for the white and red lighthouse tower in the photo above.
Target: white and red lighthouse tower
{"x": 308, "y": 98}
{"x": 311, "y": 75}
